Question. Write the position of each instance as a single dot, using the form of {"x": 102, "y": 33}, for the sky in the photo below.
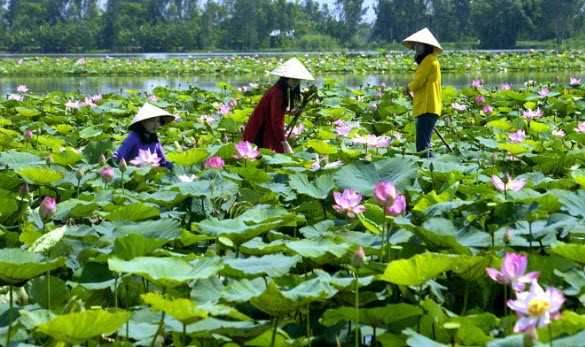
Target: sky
{"x": 369, "y": 17}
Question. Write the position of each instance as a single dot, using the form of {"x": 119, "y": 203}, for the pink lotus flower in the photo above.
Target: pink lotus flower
{"x": 207, "y": 119}
{"x": 146, "y": 158}
{"x": 372, "y": 140}
{"x": 324, "y": 163}
{"x": 488, "y": 110}
{"x": 187, "y": 178}
{"x": 505, "y": 86}
{"x": 543, "y": 92}
{"x": 224, "y": 110}
{"x": 47, "y": 208}
{"x": 348, "y": 201}
{"x": 16, "y": 97}
{"x": 574, "y": 81}
{"x": 22, "y": 88}
{"x": 232, "y": 103}
{"x": 343, "y": 129}
{"x": 558, "y": 132}
{"x": 476, "y": 83}
{"x": 510, "y": 184}
{"x": 388, "y": 196}
{"x": 107, "y": 174}
{"x": 246, "y": 151}
{"x": 459, "y": 107}
{"x": 152, "y": 97}
{"x": 529, "y": 114}
{"x": 580, "y": 127}
{"x": 242, "y": 89}
{"x": 536, "y": 308}
{"x": 513, "y": 272}
{"x": 297, "y": 131}
{"x": 373, "y": 106}
{"x": 517, "y": 136}
{"x": 214, "y": 162}
{"x": 378, "y": 95}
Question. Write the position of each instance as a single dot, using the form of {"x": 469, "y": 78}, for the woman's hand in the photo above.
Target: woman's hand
{"x": 295, "y": 111}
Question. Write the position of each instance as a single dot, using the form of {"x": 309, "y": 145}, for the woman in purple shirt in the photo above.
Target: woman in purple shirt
{"x": 143, "y": 137}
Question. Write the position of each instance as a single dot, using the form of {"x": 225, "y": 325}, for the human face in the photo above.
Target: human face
{"x": 151, "y": 125}
{"x": 293, "y": 82}
{"x": 418, "y": 47}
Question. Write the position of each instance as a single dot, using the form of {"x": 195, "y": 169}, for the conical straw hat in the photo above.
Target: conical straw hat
{"x": 148, "y": 111}
{"x": 293, "y": 68}
{"x": 423, "y": 36}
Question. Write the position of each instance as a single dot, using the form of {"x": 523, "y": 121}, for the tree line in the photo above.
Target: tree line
{"x": 82, "y": 26}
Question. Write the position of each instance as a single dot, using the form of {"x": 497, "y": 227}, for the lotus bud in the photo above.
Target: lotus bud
{"x": 431, "y": 167}
{"x": 178, "y": 147}
{"x": 122, "y": 165}
{"x": 49, "y": 160}
{"x": 488, "y": 110}
{"x": 80, "y": 172}
{"x": 102, "y": 160}
{"x": 507, "y": 237}
{"x": 480, "y": 100}
{"x": 47, "y": 208}
{"x": 28, "y": 135}
{"x": 107, "y": 174}
{"x": 359, "y": 258}
{"x": 24, "y": 191}
{"x": 507, "y": 178}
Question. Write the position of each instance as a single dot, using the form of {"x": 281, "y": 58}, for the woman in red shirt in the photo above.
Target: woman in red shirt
{"x": 265, "y": 127}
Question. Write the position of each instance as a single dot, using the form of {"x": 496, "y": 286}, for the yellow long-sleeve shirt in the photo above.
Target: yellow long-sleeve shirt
{"x": 426, "y": 87}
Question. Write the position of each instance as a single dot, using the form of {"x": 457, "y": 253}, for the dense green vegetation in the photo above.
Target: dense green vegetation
{"x": 254, "y": 248}
{"x": 66, "y": 26}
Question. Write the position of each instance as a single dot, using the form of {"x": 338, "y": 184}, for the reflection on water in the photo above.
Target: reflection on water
{"x": 103, "y": 85}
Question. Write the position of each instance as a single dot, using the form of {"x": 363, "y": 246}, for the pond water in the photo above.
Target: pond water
{"x": 103, "y": 85}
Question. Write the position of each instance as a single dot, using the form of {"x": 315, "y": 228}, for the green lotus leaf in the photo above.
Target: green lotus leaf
{"x": 539, "y": 127}
{"x": 19, "y": 265}
{"x": 418, "y": 269}
{"x": 64, "y": 128}
{"x": 48, "y": 240}
{"x": 378, "y": 128}
{"x": 79, "y": 327}
{"x": 90, "y": 132}
{"x": 216, "y": 188}
{"x": 160, "y": 229}
{"x": 133, "y": 212}
{"x": 14, "y": 159}
{"x": 207, "y": 328}
{"x": 135, "y": 245}
{"x": 276, "y": 265}
{"x": 68, "y": 157}
{"x": 50, "y": 293}
{"x": 165, "y": 272}
{"x": 40, "y": 176}
{"x": 362, "y": 176}
{"x": 376, "y": 316}
{"x": 256, "y": 246}
{"x": 27, "y": 112}
{"x": 318, "y": 189}
{"x": 190, "y": 157}
{"x": 574, "y": 252}
{"x": 281, "y": 339}
{"x": 417, "y": 340}
{"x": 251, "y": 174}
{"x": 501, "y": 124}
{"x": 93, "y": 276}
{"x": 278, "y": 303}
{"x": 250, "y": 224}
{"x": 574, "y": 202}
{"x": 321, "y": 147}
{"x": 320, "y": 251}
{"x": 8, "y": 206}
{"x": 166, "y": 198}
{"x": 75, "y": 208}
{"x": 243, "y": 290}
{"x": 471, "y": 268}
{"x": 184, "y": 310}
{"x": 514, "y": 148}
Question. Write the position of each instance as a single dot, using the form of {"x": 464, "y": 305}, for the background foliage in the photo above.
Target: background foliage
{"x": 68, "y": 26}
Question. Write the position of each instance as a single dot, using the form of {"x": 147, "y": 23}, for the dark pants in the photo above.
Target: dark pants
{"x": 425, "y": 125}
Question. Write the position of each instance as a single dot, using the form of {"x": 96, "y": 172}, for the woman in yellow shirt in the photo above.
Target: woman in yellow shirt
{"x": 425, "y": 88}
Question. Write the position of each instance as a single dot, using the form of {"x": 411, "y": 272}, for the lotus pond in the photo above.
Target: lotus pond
{"x": 353, "y": 240}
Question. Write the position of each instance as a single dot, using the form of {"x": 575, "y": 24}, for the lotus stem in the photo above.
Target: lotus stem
{"x": 357, "y": 308}
{"x": 116, "y": 292}
{"x": 309, "y": 324}
{"x": 274, "y": 332}
{"x": 550, "y": 335}
{"x": 160, "y": 327}
{"x": 49, "y": 290}
{"x": 10, "y": 315}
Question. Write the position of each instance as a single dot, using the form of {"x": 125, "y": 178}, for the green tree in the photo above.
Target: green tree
{"x": 497, "y": 23}
{"x": 350, "y": 16}
{"x": 213, "y": 27}
{"x": 396, "y": 19}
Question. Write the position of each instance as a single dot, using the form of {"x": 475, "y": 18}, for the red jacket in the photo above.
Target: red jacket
{"x": 265, "y": 127}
